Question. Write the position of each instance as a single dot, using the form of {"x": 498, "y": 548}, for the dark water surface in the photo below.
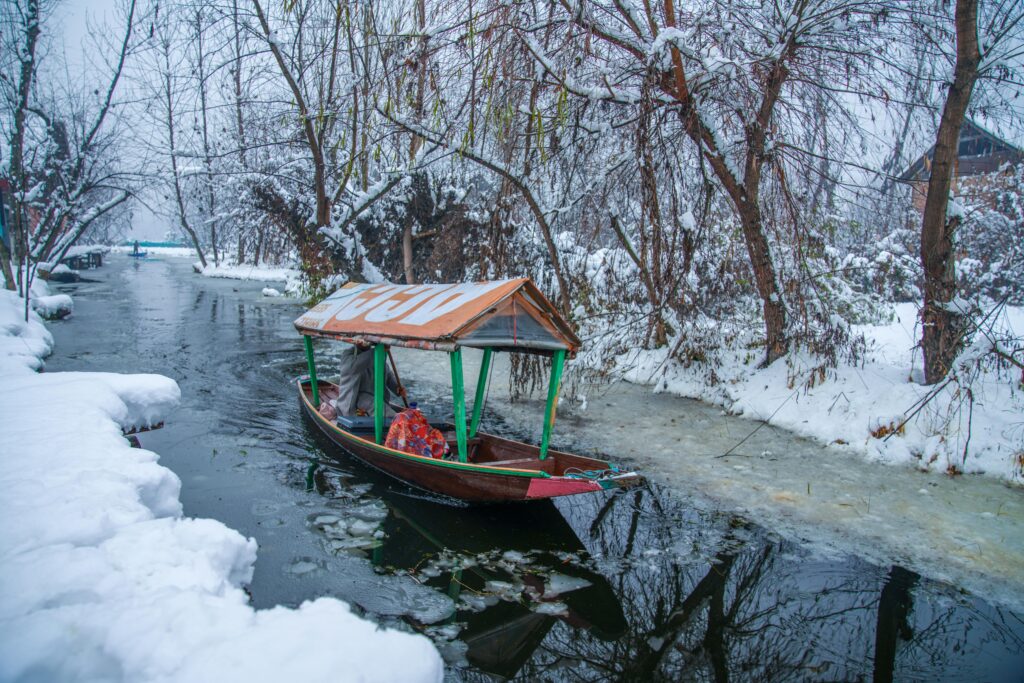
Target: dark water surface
{"x": 630, "y": 585}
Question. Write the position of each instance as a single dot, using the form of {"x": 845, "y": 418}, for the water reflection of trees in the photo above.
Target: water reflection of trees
{"x": 708, "y": 598}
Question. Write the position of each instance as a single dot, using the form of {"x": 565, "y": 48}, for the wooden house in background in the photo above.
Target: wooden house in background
{"x": 985, "y": 165}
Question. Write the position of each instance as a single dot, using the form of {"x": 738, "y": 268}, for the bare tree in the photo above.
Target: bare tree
{"x": 73, "y": 180}
{"x": 944, "y": 320}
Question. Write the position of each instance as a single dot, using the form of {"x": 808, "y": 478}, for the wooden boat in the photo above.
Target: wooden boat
{"x": 500, "y": 316}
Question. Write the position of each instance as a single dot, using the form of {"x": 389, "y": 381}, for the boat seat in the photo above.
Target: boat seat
{"x": 356, "y": 423}
{"x": 512, "y": 463}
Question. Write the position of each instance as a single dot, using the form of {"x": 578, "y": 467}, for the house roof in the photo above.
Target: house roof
{"x": 980, "y": 151}
{"x": 510, "y": 315}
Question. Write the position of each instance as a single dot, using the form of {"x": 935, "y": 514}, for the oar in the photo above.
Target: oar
{"x": 398, "y": 380}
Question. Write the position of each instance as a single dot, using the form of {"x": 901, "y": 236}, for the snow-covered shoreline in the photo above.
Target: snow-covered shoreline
{"x": 232, "y": 271}
{"x": 102, "y": 576}
{"x": 841, "y": 407}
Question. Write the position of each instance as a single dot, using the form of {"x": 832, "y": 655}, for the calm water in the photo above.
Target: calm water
{"x": 630, "y": 585}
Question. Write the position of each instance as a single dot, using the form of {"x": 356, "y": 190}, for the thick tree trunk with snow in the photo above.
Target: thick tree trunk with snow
{"x": 776, "y": 343}
{"x": 942, "y": 326}
{"x": 743, "y": 192}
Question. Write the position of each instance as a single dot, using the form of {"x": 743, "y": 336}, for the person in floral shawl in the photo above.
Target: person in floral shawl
{"x": 411, "y": 433}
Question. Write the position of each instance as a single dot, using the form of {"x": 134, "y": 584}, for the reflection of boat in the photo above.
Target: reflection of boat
{"x": 511, "y": 316}
{"x": 503, "y": 636}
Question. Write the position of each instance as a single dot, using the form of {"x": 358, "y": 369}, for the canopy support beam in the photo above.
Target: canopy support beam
{"x": 380, "y": 355}
{"x": 481, "y": 392}
{"x": 557, "y": 363}
{"x": 311, "y": 365}
{"x": 459, "y": 394}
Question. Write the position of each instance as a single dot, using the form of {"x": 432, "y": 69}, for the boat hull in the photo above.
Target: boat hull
{"x": 470, "y": 482}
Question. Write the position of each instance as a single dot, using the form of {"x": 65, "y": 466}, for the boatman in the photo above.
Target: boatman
{"x": 355, "y": 385}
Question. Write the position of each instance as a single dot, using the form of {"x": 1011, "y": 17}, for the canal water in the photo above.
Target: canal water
{"x": 643, "y": 584}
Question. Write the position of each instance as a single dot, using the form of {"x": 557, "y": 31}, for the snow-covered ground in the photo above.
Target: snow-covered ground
{"x": 852, "y": 408}
{"x": 102, "y": 576}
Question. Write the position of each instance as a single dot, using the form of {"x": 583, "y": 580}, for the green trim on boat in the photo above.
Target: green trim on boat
{"x": 557, "y": 363}
{"x": 380, "y": 354}
{"x": 311, "y": 365}
{"x": 459, "y": 394}
{"x": 481, "y": 389}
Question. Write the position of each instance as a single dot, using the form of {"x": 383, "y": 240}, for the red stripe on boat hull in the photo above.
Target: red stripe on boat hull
{"x": 559, "y": 486}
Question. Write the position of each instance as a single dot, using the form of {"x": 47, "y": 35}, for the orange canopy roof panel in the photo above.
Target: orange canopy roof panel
{"x": 501, "y": 314}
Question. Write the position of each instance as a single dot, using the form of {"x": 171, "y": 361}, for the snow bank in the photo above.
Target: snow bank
{"x": 852, "y": 408}
{"x": 53, "y": 307}
{"x": 23, "y": 345}
{"x": 292, "y": 277}
{"x": 102, "y": 577}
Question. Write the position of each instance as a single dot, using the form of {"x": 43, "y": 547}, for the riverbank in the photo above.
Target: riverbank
{"x": 104, "y": 578}
{"x": 876, "y": 408}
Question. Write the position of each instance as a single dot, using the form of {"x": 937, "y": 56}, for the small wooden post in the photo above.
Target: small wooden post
{"x": 380, "y": 355}
{"x": 557, "y": 363}
{"x": 459, "y": 394}
{"x": 308, "y": 341}
{"x": 481, "y": 390}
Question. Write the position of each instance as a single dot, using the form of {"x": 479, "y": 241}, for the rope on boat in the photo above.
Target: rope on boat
{"x": 592, "y": 475}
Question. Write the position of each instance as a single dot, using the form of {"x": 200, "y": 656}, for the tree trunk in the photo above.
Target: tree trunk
{"x": 942, "y": 327}
{"x": 5, "y": 263}
{"x": 744, "y": 193}
{"x": 776, "y": 343}
{"x": 410, "y": 275}
{"x": 179, "y": 199}
{"x": 19, "y": 236}
{"x": 211, "y": 203}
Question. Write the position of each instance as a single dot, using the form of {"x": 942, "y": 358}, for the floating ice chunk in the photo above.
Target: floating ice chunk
{"x": 558, "y": 584}
{"x": 498, "y": 586}
{"x": 478, "y": 603}
{"x": 361, "y": 527}
{"x": 324, "y": 520}
{"x": 302, "y": 567}
{"x": 553, "y": 608}
{"x": 271, "y": 292}
{"x": 422, "y": 604}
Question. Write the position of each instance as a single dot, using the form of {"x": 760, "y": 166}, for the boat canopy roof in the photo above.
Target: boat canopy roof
{"x": 510, "y": 315}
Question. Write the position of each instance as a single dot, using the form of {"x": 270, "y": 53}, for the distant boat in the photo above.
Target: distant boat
{"x": 507, "y": 315}
{"x": 137, "y": 254}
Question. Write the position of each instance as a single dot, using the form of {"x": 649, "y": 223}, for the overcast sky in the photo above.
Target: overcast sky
{"x": 71, "y": 23}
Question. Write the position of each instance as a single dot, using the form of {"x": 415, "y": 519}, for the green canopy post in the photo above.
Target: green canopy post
{"x": 557, "y": 363}
{"x": 481, "y": 389}
{"x": 460, "y": 402}
{"x": 308, "y": 341}
{"x": 380, "y": 355}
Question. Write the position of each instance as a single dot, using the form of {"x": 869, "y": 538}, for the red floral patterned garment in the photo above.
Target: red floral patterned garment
{"x": 411, "y": 433}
